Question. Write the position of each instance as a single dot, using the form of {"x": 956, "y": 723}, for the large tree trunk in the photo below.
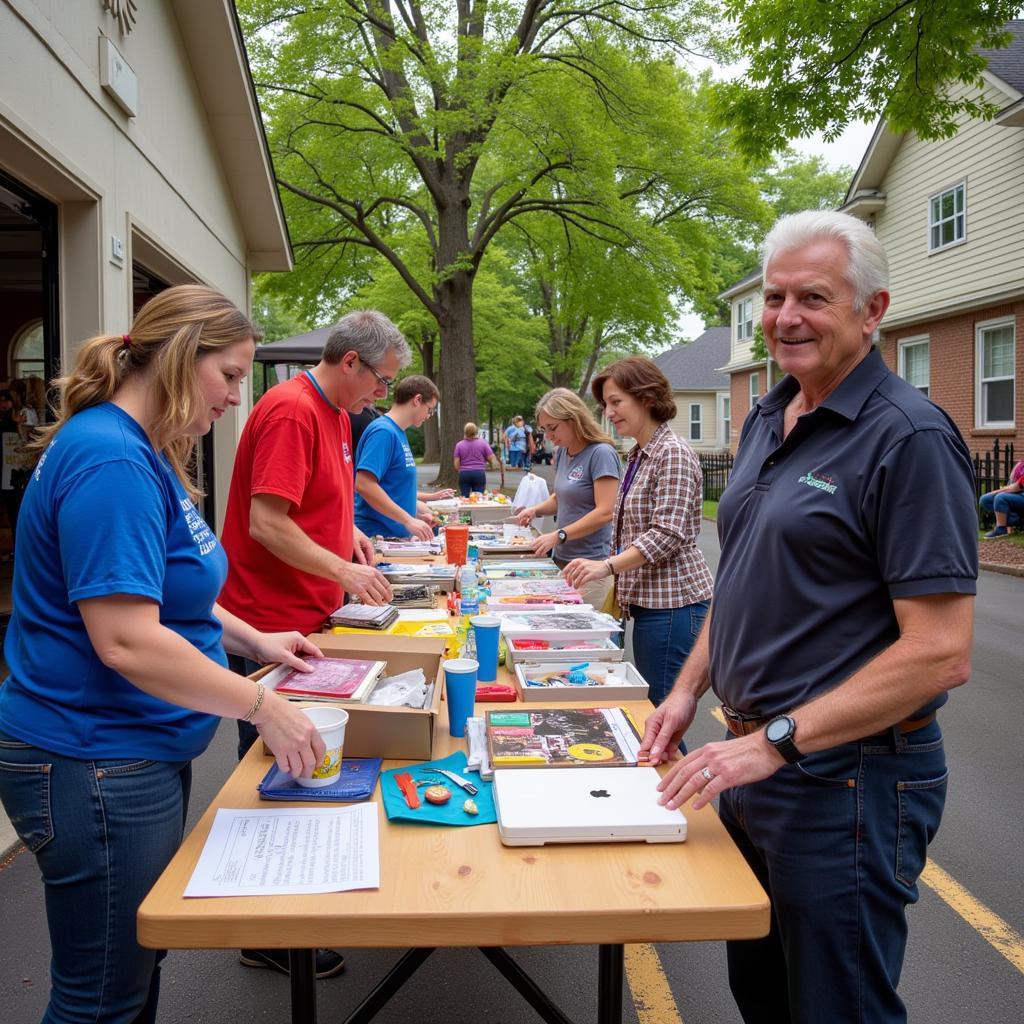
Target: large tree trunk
{"x": 431, "y": 434}
{"x": 457, "y": 379}
{"x": 454, "y": 294}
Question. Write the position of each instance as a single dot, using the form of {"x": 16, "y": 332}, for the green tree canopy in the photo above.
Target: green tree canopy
{"x": 814, "y": 66}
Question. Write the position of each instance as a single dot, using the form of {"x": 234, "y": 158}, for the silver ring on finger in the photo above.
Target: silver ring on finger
{"x": 707, "y": 774}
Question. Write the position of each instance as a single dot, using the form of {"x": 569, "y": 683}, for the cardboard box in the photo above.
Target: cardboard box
{"x": 632, "y": 687}
{"x": 372, "y": 731}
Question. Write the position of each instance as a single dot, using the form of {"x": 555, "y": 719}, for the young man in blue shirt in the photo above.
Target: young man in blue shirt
{"x": 387, "y": 501}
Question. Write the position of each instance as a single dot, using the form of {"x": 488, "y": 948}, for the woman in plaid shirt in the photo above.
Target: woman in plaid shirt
{"x": 661, "y": 579}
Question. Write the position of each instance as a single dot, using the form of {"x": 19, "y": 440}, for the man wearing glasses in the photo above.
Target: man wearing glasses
{"x": 289, "y": 531}
{"x": 387, "y": 501}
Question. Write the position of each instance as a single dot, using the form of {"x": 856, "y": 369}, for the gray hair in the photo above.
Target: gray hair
{"x": 368, "y": 333}
{"x": 867, "y": 268}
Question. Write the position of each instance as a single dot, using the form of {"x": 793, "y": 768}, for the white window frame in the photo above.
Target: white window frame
{"x": 980, "y": 381}
{"x": 902, "y": 345}
{"x": 932, "y": 224}
{"x": 15, "y": 359}
{"x": 724, "y": 420}
{"x": 744, "y": 312}
{"x": 698, "y": 422}
{"x": 754, "y": 387}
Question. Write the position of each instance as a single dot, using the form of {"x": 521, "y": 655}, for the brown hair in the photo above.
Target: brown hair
{"x": 470, "y": 430}
{"x": 563, "y": 404}
{"x": 641, "y": 379}
{"x": 171, "y": 332}
{"x": 409, "y": 387}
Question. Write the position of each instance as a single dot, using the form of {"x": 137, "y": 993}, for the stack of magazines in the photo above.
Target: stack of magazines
{"x": 364, "y": 616}
{"x": 336, "y": 680}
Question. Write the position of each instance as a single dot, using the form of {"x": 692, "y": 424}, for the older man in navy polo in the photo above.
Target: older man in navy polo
{"x": 842, "y": 615}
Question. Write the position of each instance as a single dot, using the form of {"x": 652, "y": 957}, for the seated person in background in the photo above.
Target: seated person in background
{"x": 471, "y": 457}
{"x": 1006, "y": 502}
{"x": 387, "y": 502}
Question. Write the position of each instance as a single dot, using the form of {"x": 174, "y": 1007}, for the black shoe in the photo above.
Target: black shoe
{"x": 328, "y": 962}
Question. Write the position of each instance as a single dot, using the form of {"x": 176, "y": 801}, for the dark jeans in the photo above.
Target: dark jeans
{"x": 838, "y": 842}
{"x": 102, "y": 832}
{"x": 248, "y": 734}
{"x": 472, "y": 480}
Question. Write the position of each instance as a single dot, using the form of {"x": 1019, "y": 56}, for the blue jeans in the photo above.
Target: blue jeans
{"x": 102, "y": 832}
{"x": 516, "y": 459}
{"x": 472, "y": 480}
{"x": 662, "y": 641}
{"x": 1011, "y": 504}
{"x": 838, "y": 843}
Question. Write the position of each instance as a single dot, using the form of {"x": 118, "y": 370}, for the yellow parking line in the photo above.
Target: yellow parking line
{"x": 990, "y": 926}
{"x": 652, "y": 995}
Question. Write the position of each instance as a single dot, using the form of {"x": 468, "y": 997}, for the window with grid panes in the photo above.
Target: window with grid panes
{"x": 947, "y": 217}
{"x": 695, "y": 422}
{"x": 915, "y": 364}
{"x": 996, "y": 366}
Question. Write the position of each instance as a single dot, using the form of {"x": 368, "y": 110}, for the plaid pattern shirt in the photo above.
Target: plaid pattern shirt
{"x": 660, "y": 516}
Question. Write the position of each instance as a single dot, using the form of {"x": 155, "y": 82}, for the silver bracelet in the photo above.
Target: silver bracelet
{"x": 256, "y": 704}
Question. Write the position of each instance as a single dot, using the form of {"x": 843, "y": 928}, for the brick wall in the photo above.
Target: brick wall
{"x": 953, "y": 370}
{"x": 739, "y": 392}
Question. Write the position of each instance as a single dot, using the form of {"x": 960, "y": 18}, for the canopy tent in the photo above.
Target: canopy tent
{"x": 301, "y": 348}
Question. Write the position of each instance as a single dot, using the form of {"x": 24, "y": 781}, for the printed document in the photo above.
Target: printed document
{"x": 289, "y": 851}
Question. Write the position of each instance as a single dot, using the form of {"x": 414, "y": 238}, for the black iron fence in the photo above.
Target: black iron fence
{"x": 716, "y": 467}
{"x": 992, "y": 470}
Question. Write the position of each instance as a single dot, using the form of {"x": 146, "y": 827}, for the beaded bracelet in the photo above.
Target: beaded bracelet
{"x": 256, "y": 704}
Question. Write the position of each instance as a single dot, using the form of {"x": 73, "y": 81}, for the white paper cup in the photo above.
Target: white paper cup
{"x": 330, "y": 722}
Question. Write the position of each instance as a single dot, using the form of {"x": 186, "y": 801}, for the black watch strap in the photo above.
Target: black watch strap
{"x": 779, "y": 732}
{"x": 562, "y": 537}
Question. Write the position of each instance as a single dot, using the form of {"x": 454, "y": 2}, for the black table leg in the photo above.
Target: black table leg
{"x": 302, "y": 976}
{"x": 610, "y": 960}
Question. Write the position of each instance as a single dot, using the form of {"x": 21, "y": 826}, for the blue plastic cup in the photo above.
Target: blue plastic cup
{"x": 460, "y": 692}
{"x": 486, "y": 629}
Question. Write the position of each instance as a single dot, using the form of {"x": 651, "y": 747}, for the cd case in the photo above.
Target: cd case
{"x": 357, "y": 782}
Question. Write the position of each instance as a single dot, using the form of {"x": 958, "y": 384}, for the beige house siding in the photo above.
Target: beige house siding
{"x": 155, "y": 181}
{"x": 707, "y": 401}
{"x": 990, "y": 160}
{"x": 740, "y": 351}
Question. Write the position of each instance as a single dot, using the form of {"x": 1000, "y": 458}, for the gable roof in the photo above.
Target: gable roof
{"x": 1005, "y": 67}
{"x": 694, "y": 366}
{"x": 1008, "y": 63}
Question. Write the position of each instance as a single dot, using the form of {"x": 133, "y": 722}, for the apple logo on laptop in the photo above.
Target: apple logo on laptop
{"x": 600, "y": 793}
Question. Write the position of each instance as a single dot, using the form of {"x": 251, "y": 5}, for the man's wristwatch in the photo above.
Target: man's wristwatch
{"x": 562, "y": 536}
{"x": 779, "y": 732}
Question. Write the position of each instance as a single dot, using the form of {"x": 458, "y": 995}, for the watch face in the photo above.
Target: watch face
{"x": 778, "y": 729}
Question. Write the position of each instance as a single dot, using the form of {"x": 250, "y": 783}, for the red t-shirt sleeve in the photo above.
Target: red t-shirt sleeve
{"x": 281, "y": 456}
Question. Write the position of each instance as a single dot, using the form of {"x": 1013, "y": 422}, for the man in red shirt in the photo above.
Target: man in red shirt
{"x": 289, "y": 532}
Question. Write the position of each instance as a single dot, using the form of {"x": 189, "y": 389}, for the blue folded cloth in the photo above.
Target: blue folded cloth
{"x": 357, "y": 782}
{"x": 450, "y": 813}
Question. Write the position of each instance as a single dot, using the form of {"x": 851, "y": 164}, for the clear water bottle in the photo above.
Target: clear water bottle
{"x": 470, "y": 592}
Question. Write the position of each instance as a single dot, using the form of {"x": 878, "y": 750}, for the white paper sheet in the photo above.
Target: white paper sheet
{"x": 289, "y": 850}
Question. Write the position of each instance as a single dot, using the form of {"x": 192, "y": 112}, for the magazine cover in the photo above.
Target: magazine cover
{"x": 331, "y": 679}
{"x": 562, "y": 737}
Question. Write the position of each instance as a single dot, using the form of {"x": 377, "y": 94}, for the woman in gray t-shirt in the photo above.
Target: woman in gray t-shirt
{"x": 587, "y": 471}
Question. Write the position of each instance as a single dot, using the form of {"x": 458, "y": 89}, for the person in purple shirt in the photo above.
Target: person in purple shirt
{"x": 471, "y": 457}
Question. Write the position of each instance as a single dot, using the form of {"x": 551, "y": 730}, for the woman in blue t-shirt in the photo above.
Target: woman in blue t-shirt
{"x": 116, "y": 643}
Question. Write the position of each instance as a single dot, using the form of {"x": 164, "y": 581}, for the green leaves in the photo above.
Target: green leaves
{"x": 816, "y": 66}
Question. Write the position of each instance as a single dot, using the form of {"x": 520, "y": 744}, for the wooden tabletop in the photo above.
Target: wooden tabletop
{"x": 461, "y": 887}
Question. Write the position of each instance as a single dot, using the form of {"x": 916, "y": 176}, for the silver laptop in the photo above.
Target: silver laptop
{"x": 583, "y": 805}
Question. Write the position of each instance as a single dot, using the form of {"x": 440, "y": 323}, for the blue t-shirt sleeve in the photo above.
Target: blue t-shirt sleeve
{"x": 919, "y": 507}
{"x": 375, "y": 452}
{"x": 112, "y": 523}
{"x": 606, "y": 462}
